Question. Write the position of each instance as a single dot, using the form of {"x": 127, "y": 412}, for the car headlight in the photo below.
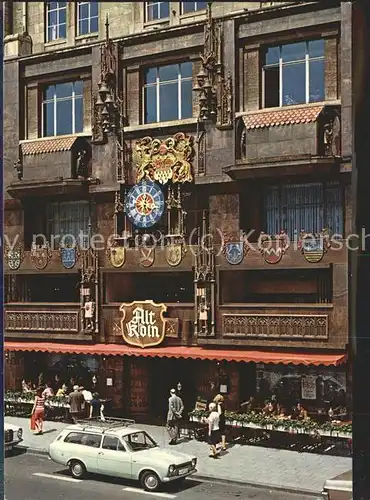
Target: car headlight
{"x": 194, "y": 463}
{"x": 20, "y": 433}
{"x": 171, "y": 470}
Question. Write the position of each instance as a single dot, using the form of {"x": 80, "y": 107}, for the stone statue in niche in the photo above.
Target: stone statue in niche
{"x": 81, "y": 165}
{"x": 332, "y": 137}
{"x": 89, "y": 313}
{"x": 18, "y": 167}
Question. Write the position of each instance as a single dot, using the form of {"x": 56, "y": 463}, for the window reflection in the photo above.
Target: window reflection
{"x": 167, "y": 93}
{"x": 294, "y": 74}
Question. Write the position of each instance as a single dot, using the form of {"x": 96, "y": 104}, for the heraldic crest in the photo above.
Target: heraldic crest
{"x": 314, "y": 245}
{"x": 164, "y": 160}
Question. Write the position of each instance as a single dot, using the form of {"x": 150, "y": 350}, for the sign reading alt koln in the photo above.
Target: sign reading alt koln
{"x": 142, "y": 323}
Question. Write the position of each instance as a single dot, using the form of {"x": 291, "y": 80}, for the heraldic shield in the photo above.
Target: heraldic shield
{"x": 174, "y": 254}
{"x": 40, "y": 255}
{"x": 117, "y": 256}
{"x": 314, "y": 246}
{"x": 273, "y": 247}
{"x": 13, "y": 257}
{"x": 143, "y": 324}
{"x": 68, "y": 256}
{"x": 234, "y": 252}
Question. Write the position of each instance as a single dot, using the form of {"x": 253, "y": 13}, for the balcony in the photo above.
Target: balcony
{"x": 43, "y": 321}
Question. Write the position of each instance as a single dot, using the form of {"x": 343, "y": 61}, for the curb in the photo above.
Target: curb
{"x": 208, "y": 479}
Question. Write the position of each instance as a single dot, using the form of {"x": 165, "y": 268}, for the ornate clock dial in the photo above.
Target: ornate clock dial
{"x": 145, "y": 204}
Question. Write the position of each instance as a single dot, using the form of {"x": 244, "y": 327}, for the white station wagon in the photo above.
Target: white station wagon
{"x": 114, "y": 448}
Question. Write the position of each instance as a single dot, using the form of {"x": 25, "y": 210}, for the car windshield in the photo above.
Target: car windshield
{"x": 139, "y": 441}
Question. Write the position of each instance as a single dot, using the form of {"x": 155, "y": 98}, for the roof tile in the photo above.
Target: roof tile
{"x": 285, "y": 116}
{"x": 54, "y": 145}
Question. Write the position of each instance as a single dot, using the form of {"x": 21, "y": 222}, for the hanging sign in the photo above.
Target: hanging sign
{"x": 143, "y": 324}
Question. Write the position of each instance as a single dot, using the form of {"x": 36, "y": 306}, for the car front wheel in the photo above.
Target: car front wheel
{"x": 150, "y": 481}
{"x": 77, "y": 469}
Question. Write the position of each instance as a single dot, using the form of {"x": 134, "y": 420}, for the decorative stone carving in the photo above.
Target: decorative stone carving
{"x": 82, "y": 164}
{"x": 331, "y": 132}
{"x": 276, "y": 326}
{"x": 18, "y": 167}
{"x": 164, "y": 160}
{"x": 39, "y": 321}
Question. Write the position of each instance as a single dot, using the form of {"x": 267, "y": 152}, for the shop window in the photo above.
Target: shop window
{"x": 56, "y": 21}
{"x": 294, "y": 74}
{"x": 176, "y": 287}
{"x": 62, "y": 109}
{"x": 167, "y": 93}
{"x": 87, "y": 17}
{"x": 68, "y": 220}
{"x": 192, "y": 6}
{"x": 308, "y": 207}
{"x": 306, "y": 286}
{"x": 156, "y": 10}
{"x": 52, "y": 288}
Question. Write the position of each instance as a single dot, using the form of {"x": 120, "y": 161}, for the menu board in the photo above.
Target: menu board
{"x": 308, "y": 387}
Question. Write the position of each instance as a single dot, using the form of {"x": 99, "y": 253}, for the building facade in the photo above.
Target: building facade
{"x": 177, "y": 180}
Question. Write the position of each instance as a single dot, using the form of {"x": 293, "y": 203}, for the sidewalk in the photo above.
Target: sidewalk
{"x": 286, "y": 470}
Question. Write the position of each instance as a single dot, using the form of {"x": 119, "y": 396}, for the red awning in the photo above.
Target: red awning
{"x": 286, "y": 358}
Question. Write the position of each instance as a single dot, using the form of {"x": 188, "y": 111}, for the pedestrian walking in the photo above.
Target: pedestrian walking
{"x": 220, "y": 402}
{"x": 76, "y": 403}
{"x": 174, "y": 415}
{"x": 38, "y": 412}
{"x": 213, "y": 429}
{"x": 88, "y": 398}
{"x": 96, "y": 407}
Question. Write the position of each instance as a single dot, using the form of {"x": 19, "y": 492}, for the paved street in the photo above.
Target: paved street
{"x": 241, "y": 463}
{"x": 37, "y": 478}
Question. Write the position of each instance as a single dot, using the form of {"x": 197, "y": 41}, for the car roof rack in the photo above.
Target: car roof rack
{"x": 109, "y": 423}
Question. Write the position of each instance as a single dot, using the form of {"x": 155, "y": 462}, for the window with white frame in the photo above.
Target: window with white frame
{"x": 68, "y": 218}
{"x": 192, "y": 6}
{"x": 87, "y": 17}
{"x": 62, "y": 109}
{"x": 56, "y": 21}
{"x": 168, "y": 93}
{"x": 156, "y": 10}
{"x": 294, "y": 74}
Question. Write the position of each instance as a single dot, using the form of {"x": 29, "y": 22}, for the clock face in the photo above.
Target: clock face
{"x": 145, "y": 204}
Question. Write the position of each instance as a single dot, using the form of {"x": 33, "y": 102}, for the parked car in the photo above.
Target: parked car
{"x": 12, "y": 436}
{"x": 338, "y": 488}
{"x": 114, "y": 448}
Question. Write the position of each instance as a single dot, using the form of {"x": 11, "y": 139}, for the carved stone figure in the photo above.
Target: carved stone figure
{"x": 18, "y": 167}
{"x": 81, "y": 164}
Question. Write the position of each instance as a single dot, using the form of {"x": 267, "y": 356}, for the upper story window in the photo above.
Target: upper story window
{"x": 308, "y": 207}
{"x": 87, "y": 17}
{"x": 156, "y": 10}
{"x": 294, "y": 74}
{"x": 68, "y": 219}
{"x": 192, "y": 6}
{"x": 168, "y": 93}
{"x": 62, "y": 109}
{"x": 56, "y": 20}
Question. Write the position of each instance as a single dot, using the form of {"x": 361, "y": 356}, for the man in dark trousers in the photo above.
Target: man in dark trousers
{"x": 174, "y": 415}
{"x": 76, "y": 402}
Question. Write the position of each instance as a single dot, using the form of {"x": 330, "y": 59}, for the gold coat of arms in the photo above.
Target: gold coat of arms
{"x": 117, "y": 256}
{"x": 164, "y": 160}
{"x": 14, "y": 257}
{"x": 174, "y": 253}
{"x": 143, "y": 324}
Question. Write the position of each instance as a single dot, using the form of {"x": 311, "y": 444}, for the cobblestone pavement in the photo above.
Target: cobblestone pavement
{"x": 252, "y": 465}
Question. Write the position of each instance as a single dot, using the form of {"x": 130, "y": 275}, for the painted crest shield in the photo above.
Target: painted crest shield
{"x": 13, "y": 257}
{"x": 147, "y": 256}
{"x": 273, "y": 247}
{"x": 143, "y": 324}
{"x": 68, "y": 256}
{"x": 40, "y": 255}
{"x": 234, "y": 252}
{"x": 174, "y": 254}
{"x": 314, "y": 246}
{"x": 117, "y": 256}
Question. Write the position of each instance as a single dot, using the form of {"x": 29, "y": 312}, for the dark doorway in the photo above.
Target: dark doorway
{"x": 247, "y": 383}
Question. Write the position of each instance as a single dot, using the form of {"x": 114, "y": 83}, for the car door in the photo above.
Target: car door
{"x": 113, "y": 458}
